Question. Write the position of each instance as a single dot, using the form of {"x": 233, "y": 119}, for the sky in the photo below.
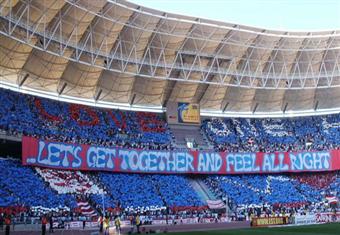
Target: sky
{"x": 290, "y": 15}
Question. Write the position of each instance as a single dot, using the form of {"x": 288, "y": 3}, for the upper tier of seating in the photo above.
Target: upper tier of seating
{"x": 289, "y": 134}
{"x": 25, "y": 114}
{"x": 28, "y": 115}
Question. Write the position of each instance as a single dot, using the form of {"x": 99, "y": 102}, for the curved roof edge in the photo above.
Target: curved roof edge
{"x": 159, "y": 109}
{"x": 221, "y": 24}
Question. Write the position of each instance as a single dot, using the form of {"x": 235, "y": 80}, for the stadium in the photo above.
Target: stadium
{"x": 116, "y": 118}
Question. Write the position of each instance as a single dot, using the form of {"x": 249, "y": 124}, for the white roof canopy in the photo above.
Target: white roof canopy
{"x": 116, "y": 52}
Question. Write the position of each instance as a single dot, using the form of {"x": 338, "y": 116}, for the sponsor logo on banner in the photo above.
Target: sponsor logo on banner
{"x": 190, "y": 221}
{"x": 304, "y": 219}
{"x": 87, "y": 157}
{"x": 267, "y": 221}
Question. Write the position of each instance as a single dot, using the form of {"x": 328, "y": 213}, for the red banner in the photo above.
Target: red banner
{"x": 328, "y": 217}
{"x": 85, "y": 157}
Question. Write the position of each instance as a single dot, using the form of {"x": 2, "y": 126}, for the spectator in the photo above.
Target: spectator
{"x": 51, "y": 223}
{"x": 107, "y": 225}
{"x": 43, "y": 225}
{"x": 138, "y": 223}
{"x": 8, "y": 224}
{"x": 117, "y": 224}
{"x": 101, "y": 223}
{"x": 1, "y": 222}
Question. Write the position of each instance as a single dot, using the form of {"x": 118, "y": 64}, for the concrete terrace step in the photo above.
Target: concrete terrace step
{"x": 184, "y": 132}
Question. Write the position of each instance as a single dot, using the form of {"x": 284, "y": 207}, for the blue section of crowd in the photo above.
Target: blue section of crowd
{"x": 22, "y": 186}
{"x": 290, "y": 134}
{"x": 24, "y": 114}
{"x": 275, "y": 189}
{"x": 138, "y": 190}
{"x": 131, "y": 190}
{"x": 43, "y": 118}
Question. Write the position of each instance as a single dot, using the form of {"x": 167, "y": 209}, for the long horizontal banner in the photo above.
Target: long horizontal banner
{"x": 85, "y": 157}
{"x": 328, "y": 217}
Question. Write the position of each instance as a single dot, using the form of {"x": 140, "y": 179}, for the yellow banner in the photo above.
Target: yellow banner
{"x": 188, "y": 113}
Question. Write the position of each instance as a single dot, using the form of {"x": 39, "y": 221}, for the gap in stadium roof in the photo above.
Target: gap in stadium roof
{"x": 285, "y": 15}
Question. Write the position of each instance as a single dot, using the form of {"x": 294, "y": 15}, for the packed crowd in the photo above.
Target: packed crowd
{"x": 148, "y": 192}
{"x": 129, "y": 190}
{"x": 289, "y": 134}
{"x": 326, "y": 179}
{"x": 48, "y": 119}
{"x": 73, "y": 123}
{"x": 21, "y": 186}
{"x": 46, "y": 188}
{"x": 293, "y": 190}
{"x": 28, "y": 115}
{"x": 41, "y": 188}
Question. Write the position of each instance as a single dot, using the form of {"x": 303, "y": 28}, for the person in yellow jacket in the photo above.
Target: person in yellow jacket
{"x": 107, "y": 225}
{"x": 117, "y": 224}
{"x": 138, "y": 223}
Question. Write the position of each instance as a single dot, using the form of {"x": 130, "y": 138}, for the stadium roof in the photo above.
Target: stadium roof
{"x": 119, "y": 54}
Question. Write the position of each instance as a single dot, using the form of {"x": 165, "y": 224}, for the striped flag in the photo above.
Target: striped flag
{"x": 332, "y": 199}
{"x": 215, "y": 204}
{"x": 86, "y": 209}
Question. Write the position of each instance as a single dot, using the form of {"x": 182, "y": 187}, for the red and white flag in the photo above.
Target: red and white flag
{"x": 86, "y": 209}
{"x": 215, "y": 204}
{"x": 332, "y": 199}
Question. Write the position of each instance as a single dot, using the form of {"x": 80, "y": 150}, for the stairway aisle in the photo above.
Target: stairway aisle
{"x": 202, "y": 190}
{"x": 182, "y": 133}
{"x": 206, "y": 189}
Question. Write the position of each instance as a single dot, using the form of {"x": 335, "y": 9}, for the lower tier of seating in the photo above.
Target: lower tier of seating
{"x": 37, "y": 187}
